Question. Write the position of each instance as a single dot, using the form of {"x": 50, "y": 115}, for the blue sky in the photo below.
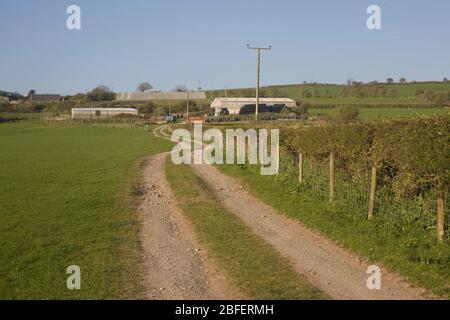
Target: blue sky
{"x": 170, "y": 42}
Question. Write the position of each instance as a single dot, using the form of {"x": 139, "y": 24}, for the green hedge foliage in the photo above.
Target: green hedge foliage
{"x": 412, "y": 156}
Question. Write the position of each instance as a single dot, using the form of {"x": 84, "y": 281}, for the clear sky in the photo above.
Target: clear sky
{"x": 169, "y": 42}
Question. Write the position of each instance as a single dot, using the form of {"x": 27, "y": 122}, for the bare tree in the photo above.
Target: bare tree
{"x": 181, "y": 88}
{"x": 144, "y": 86}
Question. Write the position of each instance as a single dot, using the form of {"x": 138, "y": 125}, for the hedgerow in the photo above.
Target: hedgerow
{"x": 412, "y": 158}
{"x": 416, "y": 153}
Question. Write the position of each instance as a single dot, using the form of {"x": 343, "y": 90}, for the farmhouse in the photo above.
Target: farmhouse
{"x": 223, "y": 106}
{"x": 95, "y": 113}
{"x": 154, "y": 96}
{"x": 44, "y": 97}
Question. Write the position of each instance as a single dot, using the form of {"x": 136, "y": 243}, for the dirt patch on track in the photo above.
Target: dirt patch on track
{"x": 175, "y": 266}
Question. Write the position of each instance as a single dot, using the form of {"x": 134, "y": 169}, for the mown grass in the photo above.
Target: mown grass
{"x": 385, "y": 113}
{"x": 422, "y": 264}
{"x": 251, "y": 264}
{"x": 65, "y": 199}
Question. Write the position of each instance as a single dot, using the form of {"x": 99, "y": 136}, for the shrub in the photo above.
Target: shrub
{"x": 344, "y": 114}
{"x": 302, "y": 107}
{"x": 147, "y": 108}
{"x": 37, "y": 107}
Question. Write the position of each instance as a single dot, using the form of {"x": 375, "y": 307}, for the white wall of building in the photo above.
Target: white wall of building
{"x": 234, "y": 105}
{"x": 94, "y": 113}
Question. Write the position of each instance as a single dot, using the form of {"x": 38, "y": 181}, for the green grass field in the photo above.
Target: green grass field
{"x": 404, "y": 90}
{"x": 411, "y": 102}
{"x": 425, "y": 263}
{"x": 331, "y": 95}
{"x": 407, "y": 90}
{"x": 66, "y": 199}
{"x": 251, "y": 264}
{"x": 386, "y": 113}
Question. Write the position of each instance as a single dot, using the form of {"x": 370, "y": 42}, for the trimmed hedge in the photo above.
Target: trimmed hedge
{"x": 413, "y": 156}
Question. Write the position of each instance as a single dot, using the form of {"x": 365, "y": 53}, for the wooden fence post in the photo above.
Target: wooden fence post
{"x": 300, "y": 167}
{"x": 331, "y": 195}
{"x": 373, "y": 188}
{"x": 441, "y": 215}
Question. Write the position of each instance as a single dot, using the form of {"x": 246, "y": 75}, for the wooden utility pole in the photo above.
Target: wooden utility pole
{"x": 373, "y": 188}
{"x": 300, "y": 167}
{"x": 331, "y": 196}
{"x": 441, "y": 218}
{"x": 187, "y": 108}
{"x": 258, "y": 68}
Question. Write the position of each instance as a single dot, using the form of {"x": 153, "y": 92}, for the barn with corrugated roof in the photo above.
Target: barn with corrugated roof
{"x": 234, "y": 105}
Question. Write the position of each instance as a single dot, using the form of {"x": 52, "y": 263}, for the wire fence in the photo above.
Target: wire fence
{"x": 352, "y": 193}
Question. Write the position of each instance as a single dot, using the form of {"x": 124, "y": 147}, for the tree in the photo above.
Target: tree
{"x": 101, "y": 93}
{"x": 147, "y": 108}
{"x": 181, "y": 88}
{"x": 445, "y": 80}
{"x": 402, "y": 80}
{"x": 302, "y": 108}
{"x": 144, "y": 86}
{"x": 390, "y": 80}
{"x": 350, "y": 81}
{"x": 31, "y": 92}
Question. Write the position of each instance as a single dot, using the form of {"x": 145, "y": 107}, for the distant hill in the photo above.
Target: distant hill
{"x": 414, "y": 94}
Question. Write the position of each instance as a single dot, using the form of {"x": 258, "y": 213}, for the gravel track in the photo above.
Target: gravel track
{"x": 175, "y": 265}
{"x": 325, "y": 264}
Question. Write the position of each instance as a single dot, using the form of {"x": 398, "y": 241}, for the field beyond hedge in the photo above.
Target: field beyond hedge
{"x": 385, "y": 113}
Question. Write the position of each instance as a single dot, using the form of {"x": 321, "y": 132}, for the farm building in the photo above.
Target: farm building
{"x": 44, "y": 97}
{"x": 234, "y": 105}
{"x": 94, "y": 113}
{"x": 154, "y": 96}
{"x": 4, "y": 99}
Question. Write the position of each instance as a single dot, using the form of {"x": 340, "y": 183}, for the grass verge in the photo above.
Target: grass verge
{"x": 251, "y": 264}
